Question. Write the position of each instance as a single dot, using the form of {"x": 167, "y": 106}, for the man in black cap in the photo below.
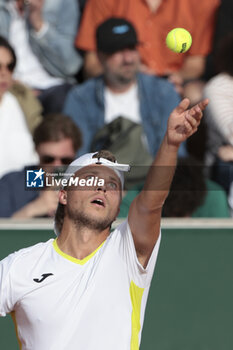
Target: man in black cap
{"x": 121, "y": 90}
{"x": 117, "y": 51}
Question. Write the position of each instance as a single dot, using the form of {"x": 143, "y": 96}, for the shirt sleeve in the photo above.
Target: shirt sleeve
{"x": 6, "y": 303}
{"x": 138, "y": 274}
{"x": 220, "y": 108}
{"x": 203, "y": 33}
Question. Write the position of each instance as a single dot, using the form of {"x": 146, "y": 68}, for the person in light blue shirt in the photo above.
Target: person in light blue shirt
{"x": 42, "y": 33}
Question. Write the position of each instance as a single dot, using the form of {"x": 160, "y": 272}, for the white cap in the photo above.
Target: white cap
{"x": 87, "y": 159}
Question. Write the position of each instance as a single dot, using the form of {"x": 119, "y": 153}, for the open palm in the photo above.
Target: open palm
{"x": 183, "y": 122}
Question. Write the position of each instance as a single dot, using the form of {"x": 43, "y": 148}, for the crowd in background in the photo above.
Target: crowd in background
{"x": 69, "y": 85}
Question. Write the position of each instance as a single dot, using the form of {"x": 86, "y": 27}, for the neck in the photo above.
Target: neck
{"x": 80, "y": 242}
{"x": 153, "y": 4}
{"x": 20, "y": 6}
{"x": 119, "y": 88}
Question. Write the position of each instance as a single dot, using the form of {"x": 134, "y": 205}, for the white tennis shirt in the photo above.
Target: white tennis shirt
{"x": 62, "y": 303}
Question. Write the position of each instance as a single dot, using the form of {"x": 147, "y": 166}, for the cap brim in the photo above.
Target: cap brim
{"x": 119, "y": 48}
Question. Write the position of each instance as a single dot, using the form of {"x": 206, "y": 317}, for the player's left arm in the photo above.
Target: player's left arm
{"x": 145, "y": 211}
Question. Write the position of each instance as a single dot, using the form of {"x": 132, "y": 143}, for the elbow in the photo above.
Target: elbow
{"x": 71, "y": 67}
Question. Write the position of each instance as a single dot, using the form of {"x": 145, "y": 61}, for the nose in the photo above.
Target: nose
{"x": 57, "y": 162}
{"x": 101, "y": 188}
{"x": 128, "y": 55}
{"x": 4, "y": 71}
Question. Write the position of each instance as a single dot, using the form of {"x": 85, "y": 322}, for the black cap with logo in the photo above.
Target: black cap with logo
{"x": 115, "y": 34}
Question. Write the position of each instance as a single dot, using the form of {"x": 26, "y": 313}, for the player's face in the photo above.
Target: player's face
{"x": 96, "y": 206}
{"x": 6, "y": 70}
{"x": 121, "y": 67}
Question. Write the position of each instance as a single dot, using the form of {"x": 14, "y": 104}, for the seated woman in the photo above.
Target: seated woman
{"x": 20, "y": 113}
{"x": 219, "y": 116}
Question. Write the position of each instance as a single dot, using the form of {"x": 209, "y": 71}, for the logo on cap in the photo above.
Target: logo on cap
{"x": 120, "y": 29}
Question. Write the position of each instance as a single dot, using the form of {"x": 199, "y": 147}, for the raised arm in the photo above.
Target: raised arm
{"x": 145, "y": 210}
{"x": 53, "y": 26}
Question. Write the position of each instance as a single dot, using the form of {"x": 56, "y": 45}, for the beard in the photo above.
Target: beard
{"x": 122, "y": 78}
{"x": 83, "y": 220}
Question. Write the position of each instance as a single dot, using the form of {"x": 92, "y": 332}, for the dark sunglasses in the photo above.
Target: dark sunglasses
{"x": 50, "y": 159}
{"x": 10, "y": 66}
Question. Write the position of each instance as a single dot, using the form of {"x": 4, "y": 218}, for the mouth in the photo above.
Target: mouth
{"x": 98, "y": 202}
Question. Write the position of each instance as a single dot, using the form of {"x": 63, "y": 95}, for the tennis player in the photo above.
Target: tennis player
{"x": 87, "y": 289}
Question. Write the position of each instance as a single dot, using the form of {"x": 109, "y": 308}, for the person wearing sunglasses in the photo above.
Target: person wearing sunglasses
{"x": 57, "y": 140}
{"x": 20, "y": 113}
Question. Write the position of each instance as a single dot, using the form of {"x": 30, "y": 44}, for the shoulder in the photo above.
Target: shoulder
{"x": 150, "y": 80}
{"x": 204, "y": 5}
{"x": 17, "y": 178}
{"x": 160, "y": 88}
{"x": 219, "y": 82}
{"x": 13, "y": 178}
{"x": 59, "y": 4}
{"x": 86, "y": 91}
{"x": 207, "y": 5}
{"x": 19, "y": 89}
{"x": 120, "y": 230}
{"x": 25, "y": 256}
{"x": 87, "y": 86}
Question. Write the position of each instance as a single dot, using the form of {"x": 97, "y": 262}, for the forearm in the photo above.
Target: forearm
{"x": 182, "y": 124}
{"x": 145, "y": 211}
{"x": 30, "y": 210}
{"x": 92, "y": 66}
{"x": 193, "y": 67}
{"x": 160, "y": 176}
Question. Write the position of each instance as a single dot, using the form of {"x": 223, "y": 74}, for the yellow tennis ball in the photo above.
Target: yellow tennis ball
{"x": 179, "y": 40}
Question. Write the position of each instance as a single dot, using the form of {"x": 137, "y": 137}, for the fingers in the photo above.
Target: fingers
{"x": 202, "y": 105}
{"x": 193, "y": 119}
{"x": 184, "y": 104}
{"x": 190, "y": 129}
{"x": 197, "y": 110}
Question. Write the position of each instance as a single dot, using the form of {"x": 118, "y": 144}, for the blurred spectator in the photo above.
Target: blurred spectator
{"x": 193, "y": 195}
{"x": 219, "y": 116}
{"x": 121, "y": 91}
{"x": 224, "y": 26}
{"x": 82, "y": 4}
{"x": 20, "y": 112}
{"x": 42, "y": 33}
{"x": 56, "y": 140}
{"x": 153, "y": 19}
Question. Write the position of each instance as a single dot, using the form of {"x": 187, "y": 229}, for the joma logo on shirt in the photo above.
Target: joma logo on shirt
{"x": 44, "y": 276}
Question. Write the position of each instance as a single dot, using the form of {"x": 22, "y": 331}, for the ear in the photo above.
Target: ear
{"x": 62, "y": 197}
